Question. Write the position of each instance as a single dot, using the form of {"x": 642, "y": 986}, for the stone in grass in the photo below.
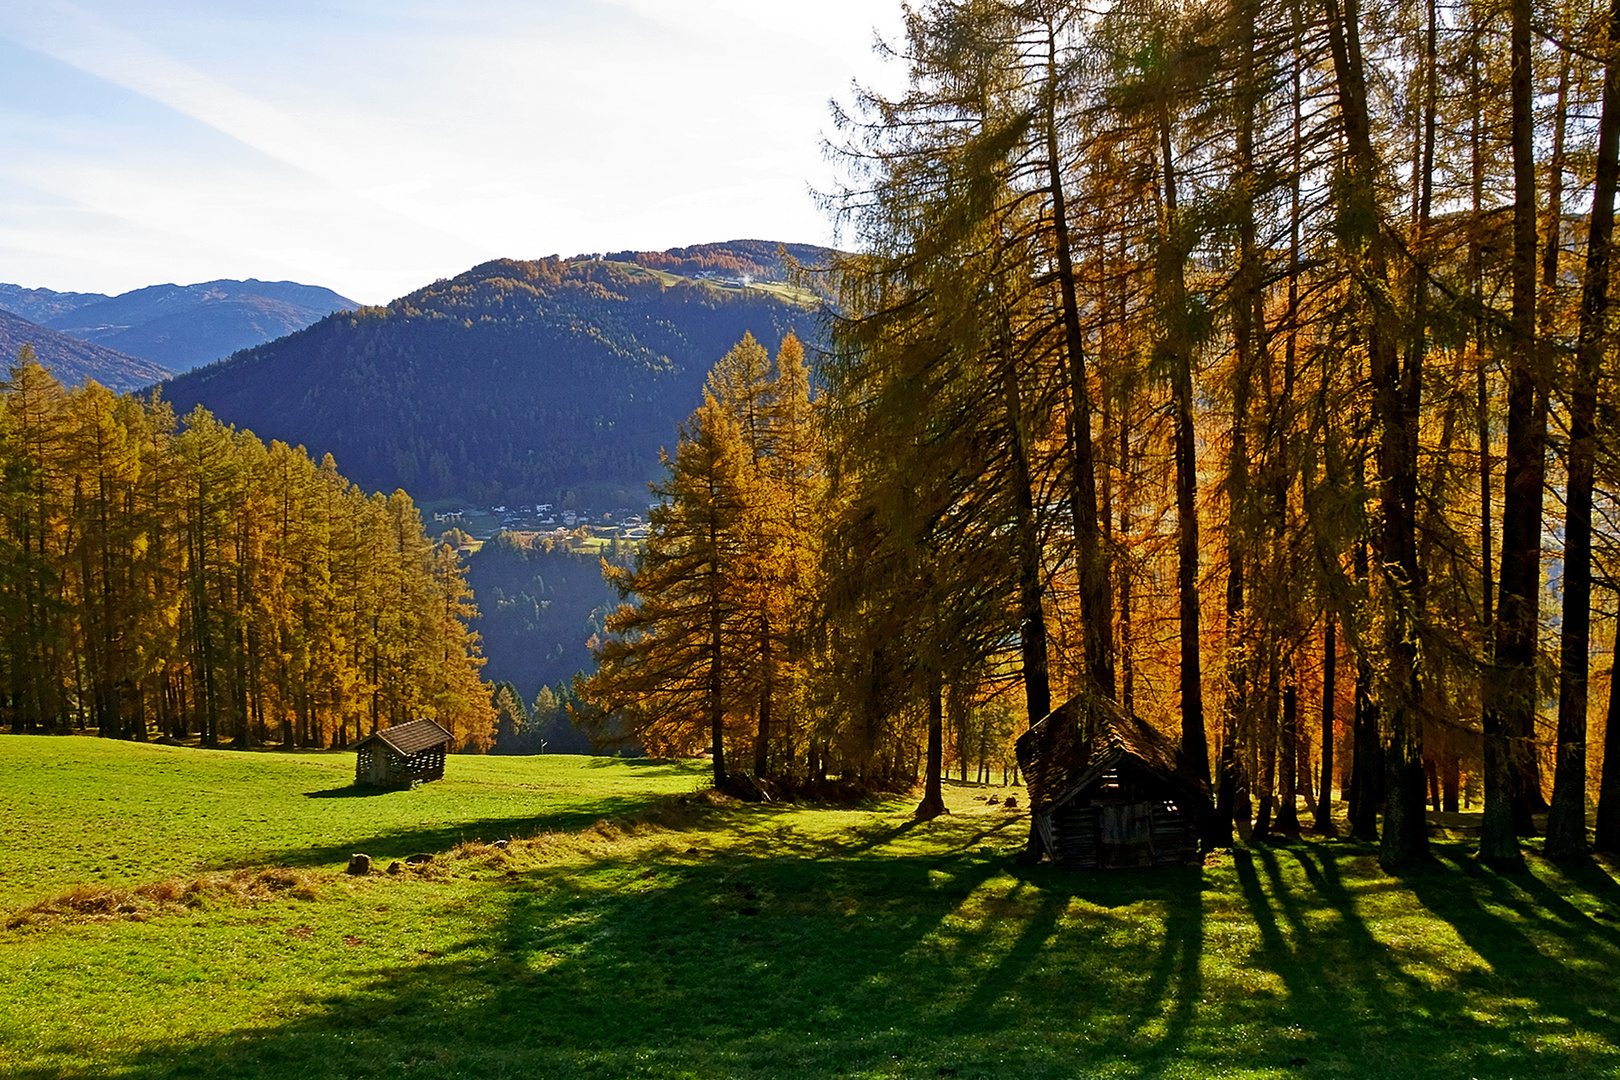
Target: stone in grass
{"x": 359, "y": 865}
{"x": 419, "y": 858}
{"x": 395, "y": 867}
{"x": 1011, "y": 803}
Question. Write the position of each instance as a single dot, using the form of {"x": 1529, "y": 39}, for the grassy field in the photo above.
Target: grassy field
{"x": 89, "y": 811}
{"x": 696, "y": 938}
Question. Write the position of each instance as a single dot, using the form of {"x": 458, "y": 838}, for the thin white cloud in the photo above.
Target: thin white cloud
{"x": 75, "y": 36}
{"x": 375, "y": 140}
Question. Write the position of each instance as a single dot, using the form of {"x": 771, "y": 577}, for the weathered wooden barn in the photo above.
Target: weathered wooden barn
{"x": 1107, "y": 790}
{"x": 400, "y": 756}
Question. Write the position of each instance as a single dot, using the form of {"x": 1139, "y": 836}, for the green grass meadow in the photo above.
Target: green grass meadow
{"x": 639, "y": 928}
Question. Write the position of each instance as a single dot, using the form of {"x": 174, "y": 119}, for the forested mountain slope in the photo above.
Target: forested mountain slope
{"x": 515, "y": 380}
{"x": 74, "y": 362}
{"x": 538, "y": 605}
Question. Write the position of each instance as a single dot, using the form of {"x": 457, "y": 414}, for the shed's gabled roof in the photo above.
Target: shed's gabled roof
{"x": 1084, "y": 737}
{"x": 411, "y": 738}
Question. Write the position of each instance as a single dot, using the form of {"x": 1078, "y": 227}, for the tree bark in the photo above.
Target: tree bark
{"x": 1288, "y": 762}
{"x": 1032, "y": 617}
{"x": 1607, "y": 838}
{"x": 1566, "y": 819}
{"x": 762, "y": 736}
{"x": 1172, "y": 281}
{"x": 1405, "y": 836}
{"x": 714, "y": 701}
{"x": 933, "y": 803}
{"x": 1096, "y": 603}
{"x": 1323, "y": 824}
{"x": 1510, "y": 708}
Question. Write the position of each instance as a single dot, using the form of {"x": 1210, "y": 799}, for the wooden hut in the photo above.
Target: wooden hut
{"x": 1107, "y": 790}
{"x": 402, "y": 755}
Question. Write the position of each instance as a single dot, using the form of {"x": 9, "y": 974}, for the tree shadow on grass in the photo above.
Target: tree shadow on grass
{"x": 670, "y": 765}
{"x": 1536, "y": 944}
{"x": 1145, "y": 989}
{"x": 732, "y": 967}
{"x": 787, "y": 959}
{"x": 1343, "y": 942}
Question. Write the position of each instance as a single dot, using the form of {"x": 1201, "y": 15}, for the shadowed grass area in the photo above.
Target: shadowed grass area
{"x": 717, "y": 940}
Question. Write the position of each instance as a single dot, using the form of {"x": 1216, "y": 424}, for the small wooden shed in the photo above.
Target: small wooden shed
{"x": 1107, "y": 790}
{"x": 402, "y": 755}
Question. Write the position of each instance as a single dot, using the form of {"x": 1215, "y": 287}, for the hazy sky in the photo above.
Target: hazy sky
{"x": 372, "y": 146}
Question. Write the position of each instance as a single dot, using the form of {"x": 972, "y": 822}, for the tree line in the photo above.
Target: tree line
{"x": 756, "y": 625}
{"x": 1242, "y": 362}
{"x": 168, "y": 578}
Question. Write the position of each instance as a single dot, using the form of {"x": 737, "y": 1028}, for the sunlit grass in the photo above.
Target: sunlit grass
{"x": 90, "y": 811}
{"x": 701, "y": 938}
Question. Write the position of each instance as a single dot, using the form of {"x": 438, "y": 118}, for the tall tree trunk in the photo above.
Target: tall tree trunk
{"x": 1172, "y": 280}
{"x": 1405, "y": 833}
{"x": 767, "y": 666}
{"x": 1266, "y": 745}
{"x": 1031, "y": 616}
{"x": 715, "y": 703}
{"x": 1323, "y": 823}
{"x": 1566, "y": 819}
{"x": 1482, "y": 399}
{"x": 1510, "y": 710}
{"x": 1288, "y": 762}
{"x": 933, "y": 803}
{"x": 1366, "y": 763}
{"x": 1127, "y": 662}
{"x": 1607, "y": 838}
{"x": 1245, "y": 314}
{"x": 1096, "y": 602}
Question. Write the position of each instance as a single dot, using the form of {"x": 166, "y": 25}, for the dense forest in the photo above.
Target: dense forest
{"x": 514, "y": 382}
{"x": 1247, "y": 365}
{"x": 179, "y": 579}
{"x": 539, "y": 606}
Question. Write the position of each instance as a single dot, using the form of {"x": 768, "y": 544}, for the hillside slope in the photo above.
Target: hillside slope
{"x": 74, "y": 361}
{"x": 516, "y": 381}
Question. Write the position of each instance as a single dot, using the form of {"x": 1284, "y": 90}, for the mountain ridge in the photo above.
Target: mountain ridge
{"x": 178, "y": 327}
{"x": 517, "y": 380}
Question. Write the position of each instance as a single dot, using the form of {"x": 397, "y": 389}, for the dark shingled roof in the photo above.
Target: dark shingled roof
{"x": 1087, "y": 735}
{"x": 411, "y": 738}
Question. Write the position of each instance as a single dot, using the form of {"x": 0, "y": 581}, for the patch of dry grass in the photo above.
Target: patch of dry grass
{"x": 103, "y": 903}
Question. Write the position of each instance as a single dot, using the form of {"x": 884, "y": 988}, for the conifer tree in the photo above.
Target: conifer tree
{"x": 665, "y": 666}
{"x": 195, "y": 579}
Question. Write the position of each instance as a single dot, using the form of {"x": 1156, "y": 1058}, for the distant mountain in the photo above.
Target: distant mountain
{"x": 74, "y": 361}
{"x": 179, "y": 326}
{"x": 185, "y": 326}
{"x": 43, "y": 305}
{"x": 516, "y": 381}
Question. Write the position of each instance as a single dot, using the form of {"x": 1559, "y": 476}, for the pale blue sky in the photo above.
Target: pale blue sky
{"x": 372, "y": 146}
